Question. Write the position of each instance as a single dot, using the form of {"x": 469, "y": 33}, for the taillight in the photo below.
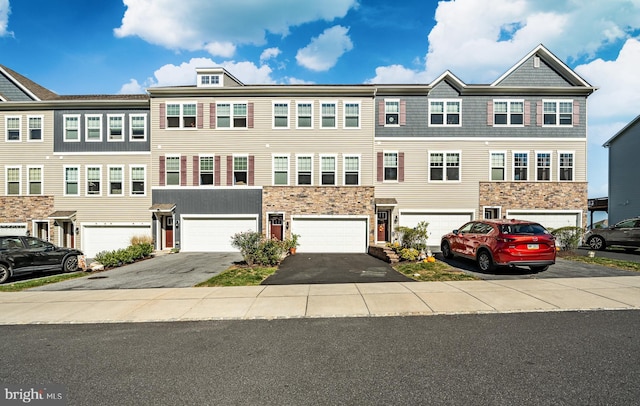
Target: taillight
{"x": 505, "y": 239}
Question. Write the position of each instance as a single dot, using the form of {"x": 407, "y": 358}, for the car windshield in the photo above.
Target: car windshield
{"x": 523, "y": 229}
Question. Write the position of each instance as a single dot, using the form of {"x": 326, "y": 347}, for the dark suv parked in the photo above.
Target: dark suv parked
{"x": 624, "y": 234}
{"x": 502, "y": 243}
{"x": 21, "y": 254}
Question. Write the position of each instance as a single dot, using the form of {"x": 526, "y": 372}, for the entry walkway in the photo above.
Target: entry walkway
{"x": 330, "y": 300}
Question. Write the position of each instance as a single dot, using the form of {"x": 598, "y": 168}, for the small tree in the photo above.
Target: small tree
{"x": 568, "y": 238}
{"x": 415, "y": 237}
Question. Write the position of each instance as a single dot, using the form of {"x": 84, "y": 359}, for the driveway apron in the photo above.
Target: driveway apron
{"x": 333, "y": 268}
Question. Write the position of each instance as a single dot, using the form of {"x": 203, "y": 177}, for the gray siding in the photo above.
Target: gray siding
{"x": 528, "y": 75}
{"x": 624, "y": 187}
{"x": 104, "y": 145}
{"x": 11, "y": 92}
{"x": 211, "y": 201}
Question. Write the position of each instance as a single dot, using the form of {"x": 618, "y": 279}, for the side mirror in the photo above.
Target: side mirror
{"x": 455, "y": 232}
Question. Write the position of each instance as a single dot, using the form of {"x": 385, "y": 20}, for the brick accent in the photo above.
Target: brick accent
{"x": 321, "y": 200}
{"x": 23, "y": 209}
{"x": 535, "y": 196}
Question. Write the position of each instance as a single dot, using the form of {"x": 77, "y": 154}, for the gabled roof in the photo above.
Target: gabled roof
{"x": 31, "y": 88}
{"x": 632, "y": 123}
{"x": 552, "y": 61}
{"x": 452, "y": 79}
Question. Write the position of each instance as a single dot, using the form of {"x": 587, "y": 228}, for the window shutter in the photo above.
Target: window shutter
{"x": 183, "y": 170}
{"x": 403, "y": 112}
{"x": 229, "y": 170}
{"x": 527, "y": 113}
{"x": 539, "y": 114}
{"x": 216, "y": 174}
{"x": 163, "y": 116}
{"x": 251, "y": 169}
{"x": 576, "y": 113}
{"x": 161, "y": 169}
{"x": 200, "y": 115}
{"x": 490, "y": 113}
{"x": 196, "y": 170}
{"x": 250, "y": 115}
{"x": 401, "y": 167}
{"x": 212, "y": 115}
{"x": 381, "y": 112}
{"x": 380, "y": 166}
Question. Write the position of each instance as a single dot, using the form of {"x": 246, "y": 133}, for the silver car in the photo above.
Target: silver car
{"x": 625, "y": 234}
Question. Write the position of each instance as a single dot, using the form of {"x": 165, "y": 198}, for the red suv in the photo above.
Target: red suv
{"x": 502, "y": 243}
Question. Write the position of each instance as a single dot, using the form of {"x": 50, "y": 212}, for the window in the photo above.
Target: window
{"x": 138, "y": 179}
{"x": 444, "y": 112}
{"x": 566, "y": 166}
{"x": 281, "y": 170}
{"x": 281, "y": 115}
{"x": 34, "y": 174}
{"x": 231, "y": 115}
{"x": 328, "y": 115}
{"x": 35, "y": 128}
{"x": 13, "y": 128}
{"x": 507, "y": 112}
{"x": 14, "y": 175}
{"x": 305, "y": 114}
{"x": 558, "y": 112}
{"x": 444, "y": 166}
{"x": 94, "y": 177}
{"x": 352, "y": 115}
{"x": 520, "y": 165}
{"x": 390, "y": 166}
{"x": 71, "y": 128}
{"x": 328, "y": 170}
{"x": 115, "y": 127}
{"x": 392, "y": 113}
{"x": 138, "y": 127}
{"x": 172, "y": 168}
{"x": 305, "y": 165}
{"x": 543, "y": 166}
{"x": 352, "y": 170}
{"x": 115, "y": 180}
{"x": 240, "y": 170}
{"x": 181, "y": 115}
{"x": 93, "y": 126}
{"x": 71, "y": 181}
{"x": 206, "y": 170}
{"x": 210, "y": 80}
{"x": 498, "y": 166}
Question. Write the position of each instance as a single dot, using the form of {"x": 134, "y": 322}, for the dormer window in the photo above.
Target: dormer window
{"x": 207, "y": 80}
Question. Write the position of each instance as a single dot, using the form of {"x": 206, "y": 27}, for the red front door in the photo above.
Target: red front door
{"x": 275, "y": 224}
{"x": 168, "y": 231}
{"x": 382, "y": 225}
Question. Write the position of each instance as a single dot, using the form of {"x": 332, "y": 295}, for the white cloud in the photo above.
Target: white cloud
{"x": 133, "y": 87}
{"x": 218, "y": 27}
{"x": 323, "y": 51}
{"x": 269, "y": 53}
{"x": 5, "y": 10}
{"x": 398, "y": 74}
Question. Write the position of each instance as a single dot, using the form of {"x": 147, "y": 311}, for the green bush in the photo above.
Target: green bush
{"x": 409, "y": 254}
{"x": 112, "y": 259}
{"x": 567, "y": 238}
{"x": 415, "y": 237}
{"x": 258, "y": 250}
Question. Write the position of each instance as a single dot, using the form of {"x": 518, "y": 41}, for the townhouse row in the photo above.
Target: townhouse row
{"x": 342, "y": 166}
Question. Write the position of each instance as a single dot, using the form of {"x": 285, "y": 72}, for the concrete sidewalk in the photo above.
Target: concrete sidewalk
{"x": 334, "y": 300}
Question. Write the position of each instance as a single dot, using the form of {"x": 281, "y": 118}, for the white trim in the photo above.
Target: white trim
{"x": 384, "y": 103}
{"x": 220, "y": 216}
{"x": 513, "y": 166}
{"x": 41, "y": 167}
{"x": 335, "y": 169}
{"x": 64, "y": 180}
{"x": 6, "y": 179}
{"x": 297, "y": 103}
{"x": 557, "y": 114}
{"x": 550, "y": 153}
{"x": 444, "y": 112}
{"x": 578, "y": 213}
{"x": 122, "y": 181}
{"x": 573, "y": 167}
{"x": 508, "y": 113}
{"x": 41, "y": 117}
{"x": 233, "y": 169}
{"x": 109, "y": 116}
{"x": 213, "y": 170}
{"x": 146, "y": 182}
{"x": 64, "y": 127}
{"x": 86, "y": 127}
{"x": 335, "y": 116}
{"x": 6, "y": 128}
{"x": 344, "y": 170}
{"x": 273, "y": 114}
{"x": 273, "y": 169}
{"x": 231, "y": 116}
{"x": 20, "y": 85}
{"x": 492, "y": 207}
{"x": 344, "y": 114}
{"x": 166, "y": 169}
{"x": 86, "y": 176}
{"x": 180, "y": 116}
{"x": 396, "y": 180}
{"x": 504, "y": 176}
{"x": 330, "y": 216}
{"x": 438, "y": 211}
{"x": 444, "y": 166}
{"x": 298, "y": 169}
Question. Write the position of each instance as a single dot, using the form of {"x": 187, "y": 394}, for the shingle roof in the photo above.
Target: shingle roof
{"x": 40, "y": 92}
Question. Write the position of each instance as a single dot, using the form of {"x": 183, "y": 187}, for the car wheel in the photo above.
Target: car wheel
{"x": 597, "y": 243}
{"x": 485, "y": 262}
{"x": 446, "y": 250}
{"x": 70, "y": 264}
{"x": 539, "y": 268}
{"x": 4, "y": 273}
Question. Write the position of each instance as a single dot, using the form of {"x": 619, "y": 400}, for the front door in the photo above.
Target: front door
{"x": 275, "y": 226}
{"x": 383, "y": 218}
{"x": 168, "y": 231}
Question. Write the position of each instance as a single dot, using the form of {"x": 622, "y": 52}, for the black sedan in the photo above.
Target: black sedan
{"x": 22, "y": 254}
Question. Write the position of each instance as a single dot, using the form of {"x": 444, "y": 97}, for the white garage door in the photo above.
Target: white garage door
{"x": 213, "y": 234}
{"x": 339, "y": 235}
{"x": 550, "y": 220}
{"x": 439, "y": 223}
{"x": 97, "y": 238}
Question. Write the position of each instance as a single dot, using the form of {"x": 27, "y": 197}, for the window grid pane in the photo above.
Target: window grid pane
{"x": 328, "y": 163}
{"x": 240, "y": 164}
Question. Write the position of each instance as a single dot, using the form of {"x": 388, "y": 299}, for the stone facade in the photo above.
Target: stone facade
{"x": 535, "y": 196}
{"x": 23, "y": 209}
{"x": 321, "y": 200}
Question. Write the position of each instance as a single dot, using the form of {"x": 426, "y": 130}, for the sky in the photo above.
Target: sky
{"x": 125, "y": 46}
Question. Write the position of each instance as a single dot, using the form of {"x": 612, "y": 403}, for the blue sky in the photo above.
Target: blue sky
{"x": 115, "y": 46}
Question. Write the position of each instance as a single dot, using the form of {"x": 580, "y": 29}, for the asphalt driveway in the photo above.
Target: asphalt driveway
{"x": 333, "y": 268}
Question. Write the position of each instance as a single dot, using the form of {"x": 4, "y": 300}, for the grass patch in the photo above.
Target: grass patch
{"x": 432, "y": 271}
{"x": 609, "y": 262}
{"x": 240, "y": 275}
{"x": 34, "y": 283}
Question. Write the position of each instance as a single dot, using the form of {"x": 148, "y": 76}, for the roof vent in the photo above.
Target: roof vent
{"x": 536, "y": 61}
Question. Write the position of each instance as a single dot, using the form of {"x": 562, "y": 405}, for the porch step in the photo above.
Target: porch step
{"x": 384, "y": 253}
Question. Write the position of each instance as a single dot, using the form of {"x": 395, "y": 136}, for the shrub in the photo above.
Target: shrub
{"x": 415, "y": 237}
{"x": 409, "y": 254}
{"x": 258, "y": 250}
{"x": 111, "y": 259}
{"x": 568, "y": 238}
{"x": 141, "y": 239}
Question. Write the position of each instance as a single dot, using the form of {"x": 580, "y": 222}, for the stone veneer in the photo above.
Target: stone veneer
{"x": 320, "y": 200}
{"x": 535, "y": 196}
{"x": 23, "y": 209}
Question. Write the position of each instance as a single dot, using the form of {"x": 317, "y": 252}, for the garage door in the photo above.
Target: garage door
{"x": 97, "y": 238}
{"x": 550, "y": 220}
{"x": 339, "y": 235}
{"x": 439, "y": 223}
{"x": 213, "y": 234}
{"x": 13, "y": 228}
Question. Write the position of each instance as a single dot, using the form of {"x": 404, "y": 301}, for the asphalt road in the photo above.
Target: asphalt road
{"x": 572, "y": 358}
